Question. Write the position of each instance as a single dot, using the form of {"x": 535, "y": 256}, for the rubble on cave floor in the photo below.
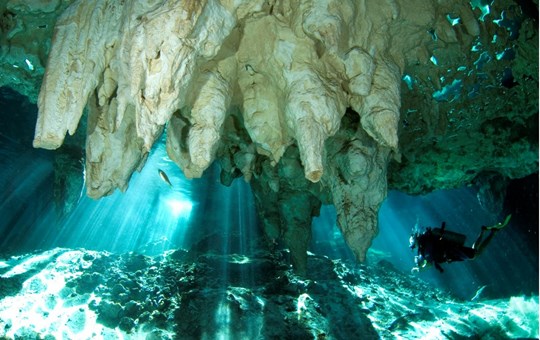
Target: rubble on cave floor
{"x": 82, "y": 294}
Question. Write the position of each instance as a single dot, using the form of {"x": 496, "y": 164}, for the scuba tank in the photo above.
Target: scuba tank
{"x": 449, "y": 236}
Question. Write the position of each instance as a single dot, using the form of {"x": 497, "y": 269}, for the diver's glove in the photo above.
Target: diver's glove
{"x": 420, "y": 262}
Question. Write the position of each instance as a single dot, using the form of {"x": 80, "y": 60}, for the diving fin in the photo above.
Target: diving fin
{"x": 500, "y": 225}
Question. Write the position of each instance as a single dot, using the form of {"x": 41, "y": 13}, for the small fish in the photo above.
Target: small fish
{"x": 478, "y": 293}
{"x": 164, "y": 177}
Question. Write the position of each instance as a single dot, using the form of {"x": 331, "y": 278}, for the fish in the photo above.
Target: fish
{"x": 478, "y": 293}
{"x": 164, "y": 177}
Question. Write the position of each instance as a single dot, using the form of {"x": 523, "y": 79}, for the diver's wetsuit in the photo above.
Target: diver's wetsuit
{"x": 438, "y": 246}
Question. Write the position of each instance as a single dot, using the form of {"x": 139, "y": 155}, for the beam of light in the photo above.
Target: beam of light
{"x": 150, "y": 217}
{"x": 179, "y": 207}
{"x": 504, "y": 258}
{"x": 227, "y": 225}
{"x": 326, "y": 236}
{"x": 25, "y": 174}
{"x": 223, "y": 320}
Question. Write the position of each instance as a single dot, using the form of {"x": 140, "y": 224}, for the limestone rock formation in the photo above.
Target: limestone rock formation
{"x": 309, "y": 100}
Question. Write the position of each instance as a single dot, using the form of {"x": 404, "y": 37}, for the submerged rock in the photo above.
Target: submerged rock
{"x": 109, "y": 313}
{"x": 335, "y": 301}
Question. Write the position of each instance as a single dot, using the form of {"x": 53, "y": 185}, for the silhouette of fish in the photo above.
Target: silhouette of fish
{"x": 164, "y": 177}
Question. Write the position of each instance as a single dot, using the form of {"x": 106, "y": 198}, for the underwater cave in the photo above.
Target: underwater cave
{"x": 269, "y": 169}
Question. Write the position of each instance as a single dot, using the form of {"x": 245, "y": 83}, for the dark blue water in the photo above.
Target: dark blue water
{"x": 509, "y": 264}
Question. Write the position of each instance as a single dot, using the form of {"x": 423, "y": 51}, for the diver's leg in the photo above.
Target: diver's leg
{"x": 478, "y": 241}
{"x": 468, "y": 253}
{"x": 480, "y": 244}
{"x": 479, "y": 248}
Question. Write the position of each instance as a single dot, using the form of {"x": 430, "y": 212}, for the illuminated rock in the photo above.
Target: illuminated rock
{"x": 248, "y": 82}
{"x": 255, "y": 297}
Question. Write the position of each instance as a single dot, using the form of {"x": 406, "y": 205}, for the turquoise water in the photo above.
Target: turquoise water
{"x": 188, "y": 260}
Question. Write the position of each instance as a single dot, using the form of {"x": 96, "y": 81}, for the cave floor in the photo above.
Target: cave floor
{"x": 82, "y": 294}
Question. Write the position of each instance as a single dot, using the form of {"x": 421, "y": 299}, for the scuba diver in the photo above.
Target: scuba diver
{"x": 438, "y": 245}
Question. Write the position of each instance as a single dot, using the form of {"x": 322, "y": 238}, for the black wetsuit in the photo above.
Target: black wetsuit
{"x": 438, "y": 246}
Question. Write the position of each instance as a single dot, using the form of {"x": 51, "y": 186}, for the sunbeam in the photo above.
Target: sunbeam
{"x": 462, "y": 213}
{"x": 173, "y": 257}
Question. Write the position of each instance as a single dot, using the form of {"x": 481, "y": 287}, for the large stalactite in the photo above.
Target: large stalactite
{"x": 303, "y": 98}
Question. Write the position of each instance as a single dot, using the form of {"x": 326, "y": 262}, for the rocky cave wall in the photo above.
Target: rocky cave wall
{"x": 311, "y": 101}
